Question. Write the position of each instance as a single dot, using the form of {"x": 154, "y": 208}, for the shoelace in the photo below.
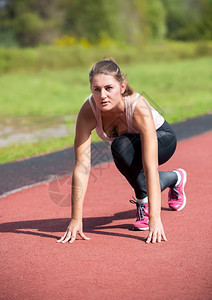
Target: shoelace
{"x": 175, "y": 192}
{"x": 140, "y": 209}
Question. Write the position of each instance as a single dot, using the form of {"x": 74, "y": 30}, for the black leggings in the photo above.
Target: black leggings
{"x": 126, "y": 151}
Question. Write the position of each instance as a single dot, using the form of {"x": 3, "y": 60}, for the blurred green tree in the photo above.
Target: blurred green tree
{"x": 93, "y": 19}
{"x": 151, "y": 18}
{"x": 188, "y": 19}
{"x": 142, "y": 20}
{"x": 32, "y": 22}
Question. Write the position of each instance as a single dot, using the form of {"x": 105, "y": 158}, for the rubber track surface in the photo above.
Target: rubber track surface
{"x": 116, "y": 263}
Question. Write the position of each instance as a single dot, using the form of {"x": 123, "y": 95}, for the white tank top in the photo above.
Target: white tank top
{"x": 158, "y": 119}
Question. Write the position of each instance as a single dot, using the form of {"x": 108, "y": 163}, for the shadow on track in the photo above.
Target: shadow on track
{"x": 98, "y": 225}
{"x": 47, "y": 227}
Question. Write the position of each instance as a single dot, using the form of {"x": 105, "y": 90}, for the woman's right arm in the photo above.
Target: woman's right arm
{"x": 85, "y": 124}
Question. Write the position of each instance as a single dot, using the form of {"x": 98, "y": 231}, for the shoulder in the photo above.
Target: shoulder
{"x": 142, "y": 105}
{"x": 86, "y": 116}
{"x": 135, "y": 98}
{"x": 86, "y": 109}
{"x": 132, "y": 97}
{"x": 142, "y": 118}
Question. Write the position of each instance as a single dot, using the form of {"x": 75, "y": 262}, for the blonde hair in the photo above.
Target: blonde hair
{"x": 110, "y": 67}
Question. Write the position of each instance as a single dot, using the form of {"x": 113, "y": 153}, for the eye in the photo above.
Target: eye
{"x": 109, "y": 88}
{"x": 97, "y": 89}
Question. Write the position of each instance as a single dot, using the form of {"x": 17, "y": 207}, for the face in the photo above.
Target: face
{"x": 107, "y": 92}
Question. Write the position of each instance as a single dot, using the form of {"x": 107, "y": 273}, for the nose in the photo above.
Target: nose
{"x": 103, "y": 94}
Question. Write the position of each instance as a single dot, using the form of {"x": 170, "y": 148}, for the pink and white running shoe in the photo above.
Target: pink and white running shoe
{"x": 176, "y": 195}
{"x": 142, "y": 221}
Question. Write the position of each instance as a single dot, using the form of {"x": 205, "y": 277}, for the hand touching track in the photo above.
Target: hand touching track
{"x": 74, "y": 228}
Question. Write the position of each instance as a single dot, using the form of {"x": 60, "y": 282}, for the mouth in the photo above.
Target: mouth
{"x": 104, "y": 103}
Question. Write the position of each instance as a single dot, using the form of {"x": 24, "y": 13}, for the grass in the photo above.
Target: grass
{"x": 179, "y": 89}
{"x": 59, "y": 58}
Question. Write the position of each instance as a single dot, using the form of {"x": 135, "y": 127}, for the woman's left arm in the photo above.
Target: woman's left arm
{"x": 143, "y": 121}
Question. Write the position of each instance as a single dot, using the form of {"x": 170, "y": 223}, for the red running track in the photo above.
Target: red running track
{"x": 116, "y": 263}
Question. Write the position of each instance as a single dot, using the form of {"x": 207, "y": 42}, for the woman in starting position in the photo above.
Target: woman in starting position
{"x": 140, "y": 141}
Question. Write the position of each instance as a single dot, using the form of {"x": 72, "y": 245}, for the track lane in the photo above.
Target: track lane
{"x": 116, "y": 262}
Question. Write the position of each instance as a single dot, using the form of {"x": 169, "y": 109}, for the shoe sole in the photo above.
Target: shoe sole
{"x": 184, "y": 182}
{"x": 140, "y": 229}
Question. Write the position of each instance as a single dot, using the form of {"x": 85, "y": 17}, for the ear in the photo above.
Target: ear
{"x": 123, "y": 86}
